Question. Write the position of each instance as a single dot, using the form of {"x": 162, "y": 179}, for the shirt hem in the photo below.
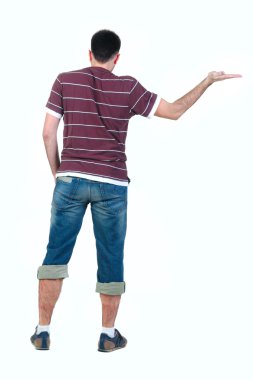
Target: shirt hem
{"x": 154, "y": 108}
{"x": 92, "y": 177}
{"x": 53, "y": 113}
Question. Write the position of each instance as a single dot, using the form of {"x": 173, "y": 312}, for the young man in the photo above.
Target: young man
{"x": 97, "y": 106}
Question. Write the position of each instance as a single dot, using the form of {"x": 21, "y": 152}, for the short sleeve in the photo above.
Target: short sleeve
{"x": 54, "y": 104}
{"x": 142, "y": 101}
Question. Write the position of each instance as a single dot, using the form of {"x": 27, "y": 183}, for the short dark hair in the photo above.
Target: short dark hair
{"x": 104, "y": 45}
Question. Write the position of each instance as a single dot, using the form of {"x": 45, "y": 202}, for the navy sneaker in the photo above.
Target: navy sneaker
{"x": 41, "y": 341}
{"x": 107, "y": 344}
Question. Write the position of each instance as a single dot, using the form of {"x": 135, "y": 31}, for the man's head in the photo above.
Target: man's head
{"x": 105, "y": 46}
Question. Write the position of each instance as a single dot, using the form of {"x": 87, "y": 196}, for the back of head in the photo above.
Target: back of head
{"x": 105, "y": 44}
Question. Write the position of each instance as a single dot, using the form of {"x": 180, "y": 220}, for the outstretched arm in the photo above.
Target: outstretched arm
{"x": 176, "y": 109}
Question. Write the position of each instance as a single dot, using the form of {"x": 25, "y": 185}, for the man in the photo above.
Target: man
{"x": 97, "y": 106}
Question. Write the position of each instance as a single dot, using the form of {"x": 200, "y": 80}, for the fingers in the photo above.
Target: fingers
{"x": 229, "y": 76}
{"x": 234, "y": 75}
{"x": 220, "y": 75}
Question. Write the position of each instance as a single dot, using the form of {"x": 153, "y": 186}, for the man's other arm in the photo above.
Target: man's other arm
{"x": 50, "y": 141}
{"x": 176, "y": 109}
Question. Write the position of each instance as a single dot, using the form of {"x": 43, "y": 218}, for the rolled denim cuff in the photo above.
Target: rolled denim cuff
{"x": 52, "y": 272}
{"x": 111, "y": 288}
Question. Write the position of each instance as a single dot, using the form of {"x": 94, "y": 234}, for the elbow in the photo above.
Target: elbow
{"x": 48, "y": 136}
{"x": 45, "y": 136}
{"x": 176, "y": 116}
{"x": 177, "y": 111}
{"x": 172, "y": 116}
{"x": 48, "y": 139}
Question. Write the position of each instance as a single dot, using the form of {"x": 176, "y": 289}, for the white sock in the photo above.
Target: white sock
{"x": 109, "y": 331}
{"x": 42, "y": 328}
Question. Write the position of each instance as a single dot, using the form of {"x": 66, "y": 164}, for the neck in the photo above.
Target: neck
{"x": 108, "y": 65}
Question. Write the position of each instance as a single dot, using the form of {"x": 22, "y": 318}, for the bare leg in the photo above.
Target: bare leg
{"x": 49, "y": 291}
{"x": 110, "y": 305}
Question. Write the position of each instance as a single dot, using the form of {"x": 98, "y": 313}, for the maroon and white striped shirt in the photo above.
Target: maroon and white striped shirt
{"x": 96, "y": 106}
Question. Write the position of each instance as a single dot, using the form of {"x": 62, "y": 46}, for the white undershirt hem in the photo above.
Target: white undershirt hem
{"x": 92, "y": 177}
{"x": 53, "y": 113}
{"x": 154, "y": 108}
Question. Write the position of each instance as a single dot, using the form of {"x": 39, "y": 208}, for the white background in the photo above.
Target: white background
{"x": 187, "y": 310}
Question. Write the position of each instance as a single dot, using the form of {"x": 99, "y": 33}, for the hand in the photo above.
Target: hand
{"x": 215, "y": 76}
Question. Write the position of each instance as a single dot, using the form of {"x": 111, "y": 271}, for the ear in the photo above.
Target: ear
{"x": 90, "y": 55}
{"x": 116, "y": 59}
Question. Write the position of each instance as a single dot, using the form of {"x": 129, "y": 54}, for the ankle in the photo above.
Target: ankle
{"x": 110, "y": 331}
{"x": 42, "y": 328}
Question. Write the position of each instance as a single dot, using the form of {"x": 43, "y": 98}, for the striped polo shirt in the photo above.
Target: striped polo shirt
{"x": 96, "y": 107}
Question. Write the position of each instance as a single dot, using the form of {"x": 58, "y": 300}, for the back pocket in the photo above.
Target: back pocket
{"x": 114, "y": 197}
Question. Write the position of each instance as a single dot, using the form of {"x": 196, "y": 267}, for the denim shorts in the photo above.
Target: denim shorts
{"x": 108, "y": 204}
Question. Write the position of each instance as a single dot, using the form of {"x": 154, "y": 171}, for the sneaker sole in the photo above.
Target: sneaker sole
{"x": 112, "y": 349}
{"x": 42, "y": 349}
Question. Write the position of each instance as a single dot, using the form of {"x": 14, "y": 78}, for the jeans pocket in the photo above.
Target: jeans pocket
{"x": 114, "y": 197}
{"x": 64, "y": 179}
{"x": 64, "y": 192}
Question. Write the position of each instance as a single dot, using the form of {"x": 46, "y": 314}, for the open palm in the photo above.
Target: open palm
{"x": 215, "y": 76}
